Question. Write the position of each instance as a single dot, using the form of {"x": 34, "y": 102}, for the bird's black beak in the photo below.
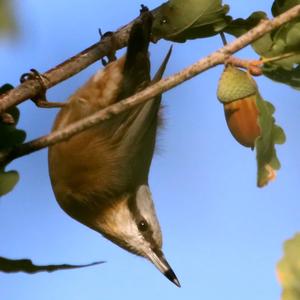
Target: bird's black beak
{"x": 172, "y": 276}
{"x": 160, "y": 262}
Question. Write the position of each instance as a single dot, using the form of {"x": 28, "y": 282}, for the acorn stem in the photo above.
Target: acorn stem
{"x": 223, "y": 37}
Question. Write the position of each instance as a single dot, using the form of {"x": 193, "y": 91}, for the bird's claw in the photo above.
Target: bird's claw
{"x": 32, "y": 75}
{"x": 143, "y": 9}
{"x": 40, "y": 100}
{"x": 112, "y": 54}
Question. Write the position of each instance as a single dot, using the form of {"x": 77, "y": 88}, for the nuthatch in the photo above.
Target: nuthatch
{"x": 100, "y": 176}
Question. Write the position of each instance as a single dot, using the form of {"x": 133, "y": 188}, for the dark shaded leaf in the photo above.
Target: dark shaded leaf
{"x": 26, "y": 265}
{"x": 8, "y": 180}
{"x": 240, "y": 26}
{"x": 10, "y": 137}
{"x": 280, "y": 6}
{"x": 277, "y": 73}
{"x": 179, "y": 20}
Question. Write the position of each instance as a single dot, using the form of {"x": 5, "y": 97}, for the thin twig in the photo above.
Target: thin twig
{"x": 161, "y": 86}
{"x": 254, "y": 66}
{"x": 223, "y": 37}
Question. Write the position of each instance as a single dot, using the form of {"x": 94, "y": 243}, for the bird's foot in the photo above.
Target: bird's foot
{"x": 111, "y": 56}
{"x": 40, "y": 100}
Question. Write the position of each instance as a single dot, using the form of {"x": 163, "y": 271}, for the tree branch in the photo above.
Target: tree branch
{"x": 219, "y": 57}
{"x": 31, "y": 88}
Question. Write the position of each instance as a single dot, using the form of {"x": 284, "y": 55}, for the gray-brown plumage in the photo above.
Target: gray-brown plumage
{"x": 100, "y": 176}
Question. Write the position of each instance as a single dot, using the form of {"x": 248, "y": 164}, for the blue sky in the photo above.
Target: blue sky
{"x": 222, "y": 235}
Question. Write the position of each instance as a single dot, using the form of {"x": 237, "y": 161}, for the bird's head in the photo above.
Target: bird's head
{"x": 131, "y": 223}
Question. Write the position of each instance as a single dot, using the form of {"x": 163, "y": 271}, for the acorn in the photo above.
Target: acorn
{"x": 238, "y": 92}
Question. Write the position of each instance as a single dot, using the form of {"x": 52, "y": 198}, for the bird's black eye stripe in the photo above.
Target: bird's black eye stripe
{"x": 143, "y": 225}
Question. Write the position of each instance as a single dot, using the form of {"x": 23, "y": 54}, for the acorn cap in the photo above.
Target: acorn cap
{"x": 235, "y": 84}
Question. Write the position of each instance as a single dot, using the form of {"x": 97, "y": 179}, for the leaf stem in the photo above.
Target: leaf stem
{"x": 265, "y": 60}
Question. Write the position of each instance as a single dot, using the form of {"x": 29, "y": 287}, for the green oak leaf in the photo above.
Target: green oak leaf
{"x": 288, "y": 269}
{"x": 286, "y": 40}
{"x": 8, "y": 180}
{"x": 267, "y": 160}
{"x": 280, "y": 6}
{"x": 7, "y": 20}
{"x": 179, "y": 20}
{"x": 25, "y": 265}
{"x": 240, "y": 26}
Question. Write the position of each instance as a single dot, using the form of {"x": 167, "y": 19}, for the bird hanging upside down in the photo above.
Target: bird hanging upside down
{"x": 100, "y": 176}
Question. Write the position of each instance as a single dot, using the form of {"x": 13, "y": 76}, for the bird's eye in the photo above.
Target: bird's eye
{"x": 163, "y": 21}
{"x": 143, "y": 225}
